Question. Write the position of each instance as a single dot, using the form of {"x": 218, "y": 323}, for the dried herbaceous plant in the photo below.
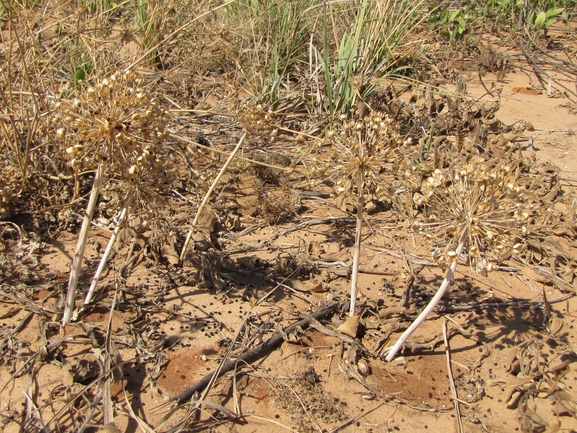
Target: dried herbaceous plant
{"x": 482, "y": 204}
{"x": 479, "y": 211}
{"x": 116, "y": 128}
{"x": 360, "y": 153}
{"x": 119, "y": 124}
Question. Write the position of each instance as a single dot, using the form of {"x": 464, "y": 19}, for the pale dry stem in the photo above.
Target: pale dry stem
{"x": 430, "y": 307}
{"x": 106, "y": 255}
{"x": 82, "y": 238}
{"x": 208, "y": 195}
{"x": 451, "y": 379}
{"x": 357, "y": 250}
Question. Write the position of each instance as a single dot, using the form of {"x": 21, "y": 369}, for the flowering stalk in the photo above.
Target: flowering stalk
{"x": 363, "y": 148}
{"x": 117, "y": 128}
{"x": 106, "y": 255}
{"x": 479, "y": 209}
{"x": 79, "y": 253}
{"x": 357, "y": 252}
{"x": 431, "y": 306}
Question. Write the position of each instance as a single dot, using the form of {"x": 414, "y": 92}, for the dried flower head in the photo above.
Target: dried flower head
{"x": 257, "y": 119}
{"x": 118, "y": 123}
{"x": 361, "y": 149}
{"x": 146, "y": 187}
{"x": 479, "y": 203}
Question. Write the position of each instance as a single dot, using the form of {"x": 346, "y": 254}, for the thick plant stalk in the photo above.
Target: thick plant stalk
{"x": 431, "y": 306}
{"x": 79, "y": 253}
{"x": 357, "y": 251}
{"x": 208, "y": 195}
{"x": 106, "y": 254}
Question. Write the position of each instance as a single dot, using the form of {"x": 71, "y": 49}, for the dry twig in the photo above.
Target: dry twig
{"x": 451, "y": 379}
{"x": 208, "y": 195}
{"x": 253, "y": 354}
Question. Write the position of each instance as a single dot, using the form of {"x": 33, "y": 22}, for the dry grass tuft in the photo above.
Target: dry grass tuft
{"x": 307, "y": 402}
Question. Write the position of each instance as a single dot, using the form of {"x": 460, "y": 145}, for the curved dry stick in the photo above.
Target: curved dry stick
{"x": 207, "y": 197}
{"x": 431, "y": 306}
{"x": 82, "y": 238}
{"x": 451, "y": 379}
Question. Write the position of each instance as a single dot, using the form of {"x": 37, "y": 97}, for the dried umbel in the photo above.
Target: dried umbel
{"x": 115, "y": 122}
{"x": 480, "y": 204}
{"x": 257, "y": 119}
{"x": 361, "y": 149}
{"x": 119, "y": 124}
{"x": 146, "y": 188}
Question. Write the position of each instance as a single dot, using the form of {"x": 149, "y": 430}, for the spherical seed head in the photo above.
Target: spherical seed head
{"x": 473, "y": 203}
{"x": 119, "y": 123}
{"x": 112, "y": 122}
{"x": 363, "y": 146}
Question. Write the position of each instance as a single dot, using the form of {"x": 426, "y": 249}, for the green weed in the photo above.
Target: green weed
{"x": 500, "y": 15}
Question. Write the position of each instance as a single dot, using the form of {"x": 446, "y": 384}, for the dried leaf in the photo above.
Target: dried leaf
{"x": 514, "y": 383}
{"x": 247, "y": 262}
{"x": 531, "y": 274}
{"x": 565, "y": 402}
{"x": 168, "y": 251}
{"x": 388, "y": 312}
{"x": 309, "y": 286}
{"x": 556, "y": 325}
{"x": 315, "y": 249}
{"x": 350, "y": 326}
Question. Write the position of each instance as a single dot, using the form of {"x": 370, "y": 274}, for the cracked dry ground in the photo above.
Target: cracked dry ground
{"x": 246, "y": 281}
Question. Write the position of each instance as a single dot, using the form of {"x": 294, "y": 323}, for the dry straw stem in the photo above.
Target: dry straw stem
{"x": 357, "y": 250}
{"x": 430, "y": 307}
{"x": 208, "y": 195}
{"x": 21, "y": 108}
{"x": 141, "y": 423}
{"x": 451, "y": 379}
{"x": 107, "y": 407}
{"x": 106, "y": 255}
{"x": 83, "y": 391}
{"x": 82, "y": 238}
